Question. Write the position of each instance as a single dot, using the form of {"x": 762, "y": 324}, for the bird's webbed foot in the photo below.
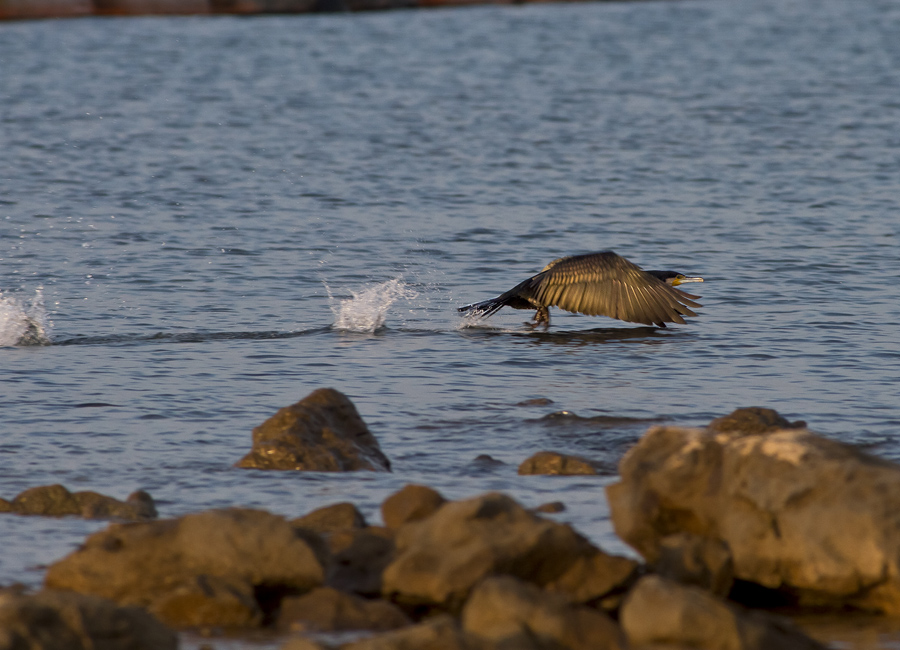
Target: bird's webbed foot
{"x": 541, "y": 317}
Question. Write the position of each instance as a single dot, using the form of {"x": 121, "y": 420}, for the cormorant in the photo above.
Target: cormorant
{"x": 598, "y": 284}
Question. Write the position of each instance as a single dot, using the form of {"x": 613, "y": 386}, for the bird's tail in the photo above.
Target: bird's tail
{"x": 483, "y": 309}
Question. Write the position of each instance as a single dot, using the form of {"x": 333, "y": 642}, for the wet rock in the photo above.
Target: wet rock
{"x": 57, "y": 501}
{"x": 440, "y": 559}
{"x": 56, "y": 620}
{"x": 536, "y": 401}
{"x": 322, "y": 432}
{"x": 753, "y": 420}
{"x": 809, "y": 516}
{"x": 659, "y": 611}
{"x": 436, "y": 633}
{"x": 551, "y": 507}
{"x": 510, "y": 613}
{"x": 411, "y": 503}
{"x": 596, "y": 576}
{"x": 330, "y": 519}
{"x": 699, "y": 561}
{"x": 551, "y": 462}
{"x": 328, "y": 610}
{"x": 358, "y": 559}
{"x": 154, "y": 564}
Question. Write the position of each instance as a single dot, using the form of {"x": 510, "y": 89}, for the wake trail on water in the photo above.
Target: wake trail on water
{"x": 23, "y": 323}
{"x": 366, "y": 310}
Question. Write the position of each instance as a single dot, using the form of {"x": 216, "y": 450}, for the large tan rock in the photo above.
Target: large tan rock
{"x": 798, "y": 512}
{"x": 323, "y": 432}
{"x": 212, "y": 560}
{"x": 440, "y": 558}
{"x": 510, "y": 613}
{"x": 56, "y": 620}
{"x": 663, "y": 612}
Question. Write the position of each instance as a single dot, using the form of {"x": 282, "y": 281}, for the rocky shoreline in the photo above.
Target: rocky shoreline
{"x": 736, "y": 523}
{"x": 35, "y": 9}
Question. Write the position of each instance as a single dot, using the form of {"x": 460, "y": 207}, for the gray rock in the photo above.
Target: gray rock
{"x": 323, "y": 432}
{"x": 659, "y": 611}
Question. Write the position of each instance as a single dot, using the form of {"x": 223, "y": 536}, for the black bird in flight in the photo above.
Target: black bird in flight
{"x": 598, "y": 284}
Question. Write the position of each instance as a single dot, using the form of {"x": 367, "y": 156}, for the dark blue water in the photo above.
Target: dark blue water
{"x": 208, "y": 218}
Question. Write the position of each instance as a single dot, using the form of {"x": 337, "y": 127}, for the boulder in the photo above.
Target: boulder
{"x": 328, "y": 610}
{"x": 551, "y": 462}
{"x": 663, "y": 612}
{"x": 509, "y": 613}
{"x": 57, "y": 501}
{"x": 411, "y": 503}
{"x": 322, "y": 432}
{"x": 812, "y": 517}
{"x": 330, "y": 519}
{"x": 57, "y": 620}
{"x": 441, "y": 558}
{"x": 215, "y": 561}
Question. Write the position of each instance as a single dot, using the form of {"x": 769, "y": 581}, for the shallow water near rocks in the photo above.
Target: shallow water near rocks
{"x": 204, "y": 219}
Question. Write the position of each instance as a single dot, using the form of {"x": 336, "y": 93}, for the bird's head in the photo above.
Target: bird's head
{"x": 673, "y": 278}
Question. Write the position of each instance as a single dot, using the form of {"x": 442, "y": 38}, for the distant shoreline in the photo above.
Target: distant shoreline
{"x": 39, "y": 9}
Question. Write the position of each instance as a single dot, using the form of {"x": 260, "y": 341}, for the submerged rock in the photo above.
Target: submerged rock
{"x": 204, "y": 568}
{"x": 551, "y": 462}
{"x": 57, "y": 501}
{"x": 323, "y": 432}
{"x": 814, "y": 518}
{"x": 659, "y": 611}
{"x": 53, "y": 620}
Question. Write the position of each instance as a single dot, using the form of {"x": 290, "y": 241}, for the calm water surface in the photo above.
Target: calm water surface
{"x": 212, "y": 217}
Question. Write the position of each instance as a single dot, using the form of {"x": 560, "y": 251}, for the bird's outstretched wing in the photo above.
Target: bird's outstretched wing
{"x": 606, "y": 284}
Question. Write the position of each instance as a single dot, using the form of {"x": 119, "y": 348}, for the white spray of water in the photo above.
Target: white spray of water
{"x": 23, "y": 323}
{"x": 366, "y": 310}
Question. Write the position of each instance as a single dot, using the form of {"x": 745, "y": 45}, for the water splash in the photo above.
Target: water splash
{"x": 23, "y": 323}
{"x": 366, "y": 311}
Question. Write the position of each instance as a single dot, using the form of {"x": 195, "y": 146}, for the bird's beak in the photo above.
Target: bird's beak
{"x": 677, "y": 281}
